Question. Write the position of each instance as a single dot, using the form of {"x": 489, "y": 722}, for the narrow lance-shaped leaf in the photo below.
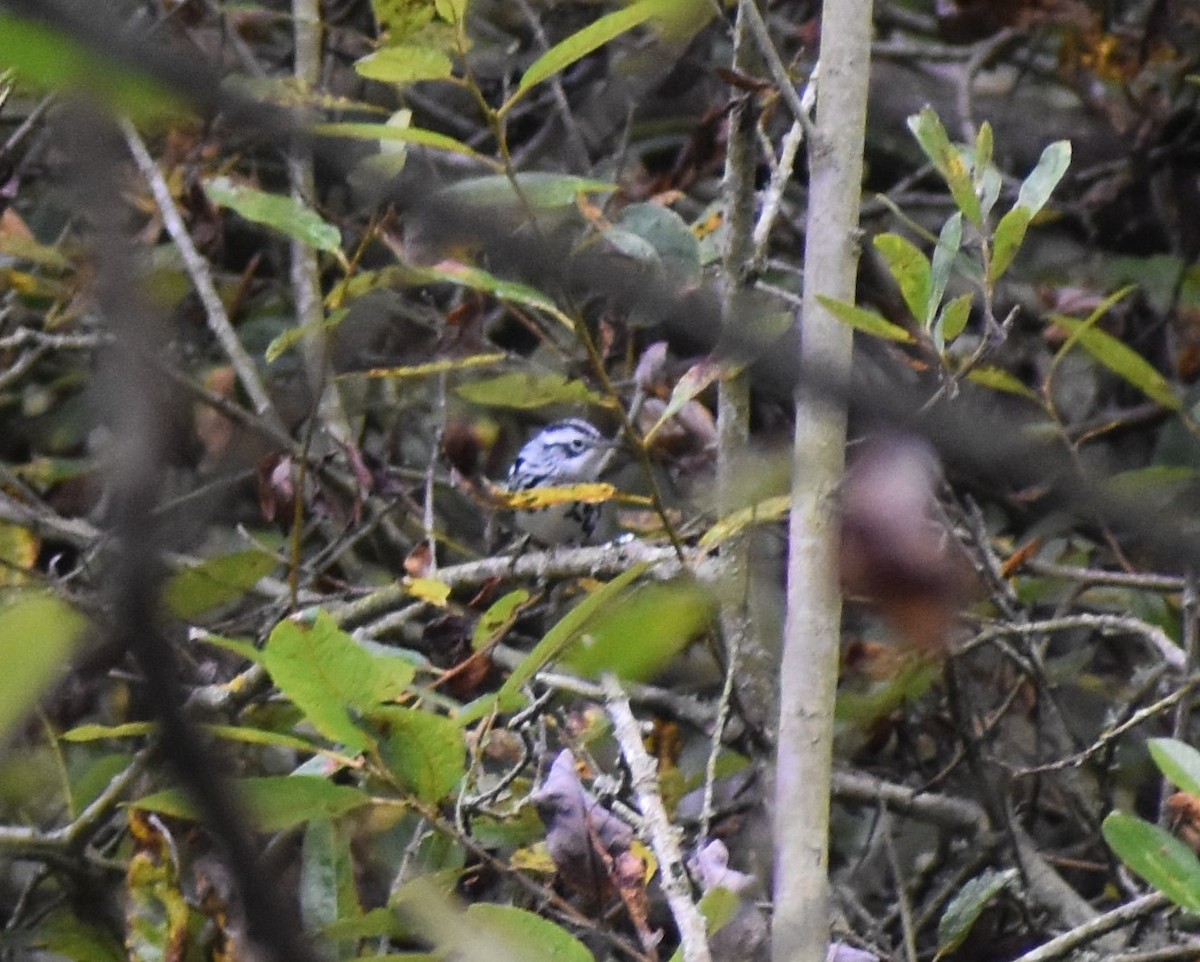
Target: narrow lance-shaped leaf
{"x": 1010, "y": 232}
{"x": 948, "y": 244}
{"x": 1118, "y": 357}
{"x": 948, "y": 161}
{"x": 1038, "y": 186}
{"x": 952, "y": 320}
{"x": 592, "y": 37}
{"x": 869, "y": 322}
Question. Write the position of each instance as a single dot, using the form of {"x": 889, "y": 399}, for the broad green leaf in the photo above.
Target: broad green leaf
{"x": 967, "y": 905}
{"x": 668, "y": 235}
{"x": 37, "y": 635}
{"x": 542, "y": 189}
{"x": 952, "y": 319}
{"x": 947, "y": 161}
{"x": 1010, "y": 232}
{"x": 424, "y": 751}
{"x": 1039, "y": 185}
{"x": 52, "y": 59}
{"x": 498, "y": 617}
{"x": 637, "y": 638}
{"x": 592, "y": 37}
{"x": 1157, "y": 856}
{"x": 1179, "y": 763}
{"x": 869, "y": 322}
{"x": 718, "y": 906}
{"x": 285, "y": 214}
{"x": 273, "y": 802}
{"x": 326, "y": 673}
{"x": 948, "y": 244}
{"x": 999, "y": 379}
{"x": 405, "y": 64}
{"x": 1121, "y": 359}
{"x": 520, "y": 934}
{"x": 527, "y": 391}
{"x": 405, "y": 135}
{"x": 216, "y": 582}
{"x": 569, "y": 628}
{"x": 911, "y": 271}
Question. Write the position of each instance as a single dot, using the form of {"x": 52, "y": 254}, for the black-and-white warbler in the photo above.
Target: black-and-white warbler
{"x": 562, "y": 454}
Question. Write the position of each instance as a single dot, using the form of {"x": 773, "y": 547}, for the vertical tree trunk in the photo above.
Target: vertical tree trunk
{"x": 809, "y": 670}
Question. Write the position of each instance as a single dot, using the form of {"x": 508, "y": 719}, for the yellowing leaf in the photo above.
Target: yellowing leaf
{"x": 769, "y": 509}
{"x": 428, "y": 589}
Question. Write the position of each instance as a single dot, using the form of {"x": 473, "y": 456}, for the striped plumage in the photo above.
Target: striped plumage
{"x": 564, "y": 453}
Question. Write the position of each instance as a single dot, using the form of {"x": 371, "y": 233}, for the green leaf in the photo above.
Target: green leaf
{"x": 428, "y": 369}
{"x": 592, "y": 37}
{"x": 407, "y": 135}
{"x": 948, "y": 244}
{"x": 999, "y": 379}
{"x": 1179, "y": 763}
{"x": 285, "y": 214}
{"x": 523, "y": 935}
{"x": 52, "y": 59}
{"x": 671, "y": 240}
{"x": 93, "y": 733}
{"x": 947, "y": 161}
{"x": 424, "y": 751}
{"x": 62, "y": 933}
{"x": 1157, "y": 856}
{"x": 400, "y": 19}
{"x": 967, "y": 905}
{"x": 1010, "y": 232}
{"x": 984, "y": 143}
{"x": 1119, "y": 358}
{"x": 480, "y": 280}
{"x": 327, "y": 886}
{"x": 637, "y": 638}
{"x": 1039, "y": 185}
{"x": 326, "y": 673}
{"x": 869, "y": 322}
{"x": 952, "y": 319}
{"x": 526, "y": 391}
{"x": 911, "y": 271}
{"x": 542, "y": 189}
{"x": 216, "y": 582}
{"x": 569, "y": 628}
{"x": 273, "y": 802}
{"x": 373, "y": 924}
{"x": 452, "y": 11}
{"x": 405, "y": 64}
{"x": 498, "y": 617}
{"x": 37, "y": 635}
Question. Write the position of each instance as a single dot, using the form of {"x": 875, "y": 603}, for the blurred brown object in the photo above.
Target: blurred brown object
{"x": 896, "y": 552}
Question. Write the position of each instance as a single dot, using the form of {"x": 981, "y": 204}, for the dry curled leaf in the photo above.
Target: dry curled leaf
{"x": 583, "y": 837}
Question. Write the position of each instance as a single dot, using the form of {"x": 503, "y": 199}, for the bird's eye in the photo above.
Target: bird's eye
{"x": 578, "y": 446}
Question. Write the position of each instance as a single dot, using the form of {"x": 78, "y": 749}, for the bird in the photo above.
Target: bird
{"x": 565, "y": 453}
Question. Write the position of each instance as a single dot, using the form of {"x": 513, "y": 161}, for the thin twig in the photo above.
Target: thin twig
{"x": 664, "y": 837}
